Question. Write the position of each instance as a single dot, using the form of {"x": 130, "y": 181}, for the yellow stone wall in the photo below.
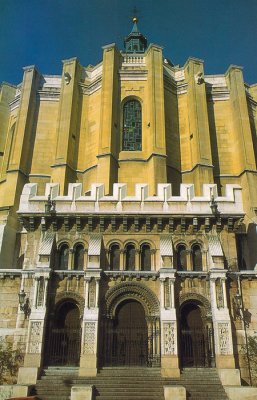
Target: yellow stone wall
{"x": 188, "y": 136}
{"x": 185, "y": 137}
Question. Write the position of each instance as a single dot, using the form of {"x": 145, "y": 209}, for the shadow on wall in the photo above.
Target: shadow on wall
{"x": 252, "y": 244}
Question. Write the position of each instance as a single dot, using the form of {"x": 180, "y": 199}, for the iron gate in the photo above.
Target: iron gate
{"x": 63, "y": 346}
{"x": 197, "y": 348}
{"x": 125, "y": 346}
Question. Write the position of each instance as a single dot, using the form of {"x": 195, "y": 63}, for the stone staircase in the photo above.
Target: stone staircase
{"x": 130, "y": 384}
{"x": 201, "y": 384}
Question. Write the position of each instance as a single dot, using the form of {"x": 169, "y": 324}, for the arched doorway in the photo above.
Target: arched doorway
{"x": 196, "y": 337}
{"x": 130, "y": 326}
{"x": 125, "y": 340}
{"x": 64, "y": 336}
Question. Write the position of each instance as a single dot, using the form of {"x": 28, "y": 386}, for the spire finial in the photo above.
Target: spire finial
{"x": 135, "y": 42}
{"x": 135, "y": 15}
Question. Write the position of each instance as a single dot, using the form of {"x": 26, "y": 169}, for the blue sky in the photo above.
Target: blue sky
{"x": 44, "y": 32}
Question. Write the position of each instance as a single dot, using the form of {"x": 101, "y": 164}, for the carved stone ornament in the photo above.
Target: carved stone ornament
{"x": 36, "y": 330}
{"x": 196, "y": 297}
{"x": 68, "y": 295}
{"x": 130, "y": 290}
{"x": 223, "y": 334}
{"x": 92, "y": 294}
{"x": 169, "y": 338}
{"x": 89, "y": 338}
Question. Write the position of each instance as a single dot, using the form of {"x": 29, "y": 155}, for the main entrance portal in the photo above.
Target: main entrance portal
{"x": 125, "y": 341}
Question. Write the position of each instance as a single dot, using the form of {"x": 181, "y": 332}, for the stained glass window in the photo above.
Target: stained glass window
{"x": 132, "y": 126}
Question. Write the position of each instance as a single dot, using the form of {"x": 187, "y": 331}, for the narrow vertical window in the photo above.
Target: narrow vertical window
{"x": 181, "y": 258}
{"x": 130, "y": 257}
{"x": 79, "y": 258}
{"x": 197, "y": 258}
{"x": 114, "y": 257}
{"x": 132, "y": 126}
{"x": 63, "y": 256}
{"x": 145, "y": 257}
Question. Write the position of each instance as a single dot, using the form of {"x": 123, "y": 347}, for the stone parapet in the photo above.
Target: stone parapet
{"x": 163, "y": 203}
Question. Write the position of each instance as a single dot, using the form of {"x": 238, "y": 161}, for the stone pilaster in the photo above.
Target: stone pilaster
{"x": 90, "y": 324}
{"x": 28, "y": 374}
{"x": 221, "y": 321}
{"x": 169, "y": 343}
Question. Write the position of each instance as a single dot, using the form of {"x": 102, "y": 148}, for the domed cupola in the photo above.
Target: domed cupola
{"x": 135, "y": 42}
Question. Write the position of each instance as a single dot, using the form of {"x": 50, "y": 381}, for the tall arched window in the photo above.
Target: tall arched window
{"x": 130, "y": 257}
{"x": 197, "y": 258}
{"x": 114, "y": 257}
{"x": 145, "y": 258}
{"x": 132, "y": 126}
{"x": 63, "y": 256}
{"x": 181, "y": 258}
{"x": 79, "y": 257}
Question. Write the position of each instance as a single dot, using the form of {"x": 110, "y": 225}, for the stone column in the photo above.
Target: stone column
{"x": 122, "y": 259}
{"x": 153, "y": 252}
{"x": 85, "y": 258}
{"x": 71, "y": 259}
{"x": 90, "y": 325}
{"x": 221, "y": 323}
{"x": 28, "y": 374}
{"x": 204, "y": 260}
{"x": 189, "y": 260}
{"x": 137, "y": 259}
{"x": 108, "y": 258}
{"x": 169, "y": 345}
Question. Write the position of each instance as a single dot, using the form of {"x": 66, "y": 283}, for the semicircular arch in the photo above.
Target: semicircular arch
{"x": 62, "y": 297}
{"x": 131, "y": 291}
{"x": 198, "y": 299}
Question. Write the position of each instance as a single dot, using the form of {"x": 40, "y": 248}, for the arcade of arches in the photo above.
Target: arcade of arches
{"x": 131, "y": 333}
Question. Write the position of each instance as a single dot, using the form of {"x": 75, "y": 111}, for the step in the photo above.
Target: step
{"x": 130, "y": 384}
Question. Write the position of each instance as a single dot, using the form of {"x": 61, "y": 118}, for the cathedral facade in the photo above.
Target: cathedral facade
{"x": 128, "y": 215}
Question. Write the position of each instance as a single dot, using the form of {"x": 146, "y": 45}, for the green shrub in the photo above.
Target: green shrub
{"x": 250, "y": 351}
{"x": 10, "y": 361}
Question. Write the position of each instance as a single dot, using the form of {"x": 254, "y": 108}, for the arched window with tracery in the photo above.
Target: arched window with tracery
{"x": 132, "y": 126}
{"x": 130, "y": 257}
{"x": 79, "y": 257}
{"x": 63, "y": 256}
{"x": 145, "y": 264}
{"x": 197, "y": 258}
{"x": 114, "y": 257}
{"x": 181, "y": 258}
